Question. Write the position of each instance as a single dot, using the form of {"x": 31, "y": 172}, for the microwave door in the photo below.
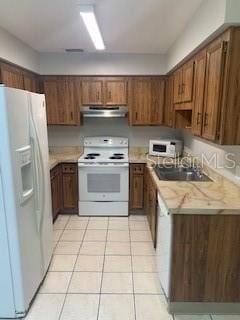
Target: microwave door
{"x": 159, "y": 148}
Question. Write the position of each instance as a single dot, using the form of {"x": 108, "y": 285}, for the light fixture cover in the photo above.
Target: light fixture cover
{"x": 88, "y": 15}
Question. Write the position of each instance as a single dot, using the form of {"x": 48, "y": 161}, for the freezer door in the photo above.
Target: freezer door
{"x": 18, "y": 194}
{"x": 39, "y": 142}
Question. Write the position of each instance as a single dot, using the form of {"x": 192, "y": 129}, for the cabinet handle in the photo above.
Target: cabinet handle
{"x": 109, "y": 95}
{"x": 205, "y": 119}
{"x": 71, "y": 114}
{"x": 98, "y": 95}
{"x": 136, "y": 115}
{"x": 198, "y": 118}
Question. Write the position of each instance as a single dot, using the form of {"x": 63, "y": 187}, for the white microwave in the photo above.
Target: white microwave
{"x": 165, "y": 148}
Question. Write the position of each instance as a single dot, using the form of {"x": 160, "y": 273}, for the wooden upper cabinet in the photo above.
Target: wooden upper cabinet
{"x": 213, "y": 89}
{"x": 92, "y": 92}
{"x": 199, "y": 85}
{"x": 11, "y": 76}
{"x": 157, "y": 101}
{"x": 187, "y": 81}
{"x": 62, "y": 101}
{"x": 30, "y": 82}
{"x": 177, "y": 86}
{"x": 51, "y": 95}
{"x": 147, "y": 101}
{"x": 168, "y": 113}
{"x": 183, "y": 83}
{"x": 141, "y": 101}
{"x": 116, "y": 92}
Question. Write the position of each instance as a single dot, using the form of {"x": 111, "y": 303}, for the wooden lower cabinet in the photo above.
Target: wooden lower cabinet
{"x": 205, "y": 262}
{"x": 56, "y": 188}
{"x": 136, "y": 186}
{"x": 64, "y": 187}
{"x": 70, "y": 186}
{"x": 151, "y": 205}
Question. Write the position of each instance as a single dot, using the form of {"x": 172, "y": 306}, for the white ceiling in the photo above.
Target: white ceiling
{"x": 128, "y": 26}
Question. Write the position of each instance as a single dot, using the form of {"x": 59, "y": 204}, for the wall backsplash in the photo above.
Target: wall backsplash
{"x": 138, "y": 136}
{"x": 219, "y": 157}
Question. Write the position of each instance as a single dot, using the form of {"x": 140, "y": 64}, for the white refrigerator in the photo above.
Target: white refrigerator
{"x": 25, "y": 199}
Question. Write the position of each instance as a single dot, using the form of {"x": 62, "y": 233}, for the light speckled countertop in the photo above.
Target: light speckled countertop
{"x": 63, "y": 154}
{"x": 220, "y": 196}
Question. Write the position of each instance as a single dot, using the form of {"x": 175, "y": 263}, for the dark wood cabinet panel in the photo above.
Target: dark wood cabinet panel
{"x": 116, "y": 92}
{"x": 30, "y": 82}
{"x": 56, "y": 189}
{"x": 70, "y": 186}
{"x": 92, "y": 92}
{"x": 205, "y": 266}
{"x": 213, "y": 89}
{"x": 136, "y": 186}
{"x": 151, "y": 206}
{"x": 177, "y": 86}
{"x": 199, "y": 85}
{"x": 147, "y": 101}
{"x": 11, "y": 76}
{"x": 168, "y": 114}
{"x": 62, "y": 100}
{"x": 187, "y": 81}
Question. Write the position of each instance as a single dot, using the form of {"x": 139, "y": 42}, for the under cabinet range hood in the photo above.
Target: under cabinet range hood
{"x": 104, "y": 112}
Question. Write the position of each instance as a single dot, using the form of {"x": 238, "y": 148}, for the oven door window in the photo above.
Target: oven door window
{"x": 159, "y": 147}
{"x": 103, "y": 183}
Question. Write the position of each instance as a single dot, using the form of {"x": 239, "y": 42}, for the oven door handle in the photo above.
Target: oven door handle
{"x": 103, "y": 165}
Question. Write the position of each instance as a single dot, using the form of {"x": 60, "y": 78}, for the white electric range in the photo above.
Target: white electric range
{"x": 103, "y": 174}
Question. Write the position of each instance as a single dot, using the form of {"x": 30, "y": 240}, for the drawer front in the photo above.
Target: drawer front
{"x": 138, "y": 168}
{"x": 69, "y": 168}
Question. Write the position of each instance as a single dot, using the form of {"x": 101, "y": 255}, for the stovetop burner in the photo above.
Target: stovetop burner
{"x": 90, "y": 157}
{"x": 116, "y": 157}
{"x": 118, "y": 154}
{"x": 93, "y": 154}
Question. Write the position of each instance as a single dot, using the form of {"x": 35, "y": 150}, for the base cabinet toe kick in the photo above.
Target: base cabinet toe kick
{"x": 198, "y": 261}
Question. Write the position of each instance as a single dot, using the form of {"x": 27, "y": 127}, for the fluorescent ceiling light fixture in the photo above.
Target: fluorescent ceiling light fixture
{"x": 90, "y": 21}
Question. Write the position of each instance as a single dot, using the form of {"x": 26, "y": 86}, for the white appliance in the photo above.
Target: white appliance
{"x": 25, "y": 199}
{"x": 163, "y": 247}
{"x": 166, "y": 148}
{"x": 103, "y": 173}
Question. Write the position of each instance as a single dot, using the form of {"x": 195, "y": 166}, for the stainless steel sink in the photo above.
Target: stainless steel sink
{"x": 180, "y": 173}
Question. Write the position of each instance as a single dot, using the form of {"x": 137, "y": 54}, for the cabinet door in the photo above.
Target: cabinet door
{"x": 177, "y": 86}
{"x": 30, "y": 82}
{"x": 136, "y": 186}
{"x": 51, "y": 96}
{"x": 116, "y": 92}
{"x": 157, "y": 101}
{"x": 11, "y": 76}
{"x": 199, "y": 84}
{"x": 68, "y": 107}
{"x": 168, "y": 107}
{"x": 92, "y": 92}
{"x": 187, "y": 82}
{"x": 70, "y": 186}
{"x": 56, "y": 189}
{"x": 213, "y": 89}
{"x": 141, "y": 101}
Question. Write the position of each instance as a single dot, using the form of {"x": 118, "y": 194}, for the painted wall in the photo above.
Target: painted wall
{"x": 209, "y": 17}
{"x": 15, "y": 51}
{"x": 101, "y": 64}
{"x": 138, "y": 136}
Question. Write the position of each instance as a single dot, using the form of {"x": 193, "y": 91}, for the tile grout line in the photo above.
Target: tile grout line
{"x": 134, "y": 301}
{"x": 100, "y": 291}
{"x": 64, "y": 301}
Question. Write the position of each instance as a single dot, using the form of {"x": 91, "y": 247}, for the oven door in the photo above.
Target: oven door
{"x": 103, "y": 182}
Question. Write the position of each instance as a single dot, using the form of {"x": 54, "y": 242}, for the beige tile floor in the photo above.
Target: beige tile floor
{"x": 104, "y": 269}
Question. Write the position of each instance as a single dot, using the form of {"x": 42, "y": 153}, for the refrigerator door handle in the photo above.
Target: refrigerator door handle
{"x": 38, "y": 172}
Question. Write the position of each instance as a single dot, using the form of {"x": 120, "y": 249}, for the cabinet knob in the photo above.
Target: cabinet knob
{"x": 205, "y": 123}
